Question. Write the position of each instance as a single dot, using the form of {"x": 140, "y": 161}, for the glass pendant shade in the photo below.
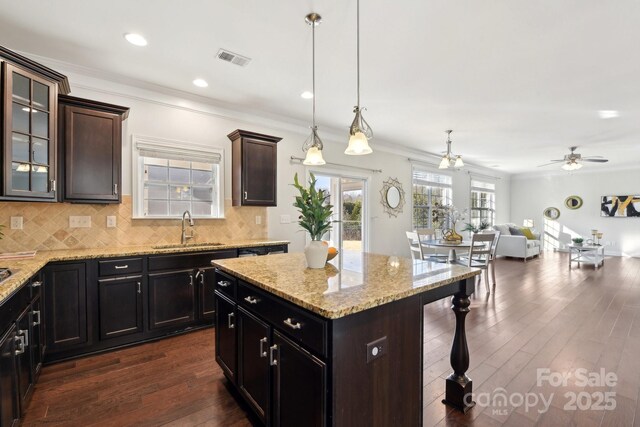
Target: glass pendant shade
{"x": 314, "y": 157}
{"x": 444, "y": 163}
{"x": 571, "y": 166}
{"x": 358, "y": 145}
{"x": 459, "y": 163}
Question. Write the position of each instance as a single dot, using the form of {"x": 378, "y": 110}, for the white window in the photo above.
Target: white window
{"x": 483, "y": 202}
{"x": 171, "y": 177}
{"x": 431, "y": 191}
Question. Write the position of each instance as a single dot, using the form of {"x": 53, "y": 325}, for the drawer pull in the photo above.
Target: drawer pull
{"x": 190, "y": 279}
{"x": 251, "y": 300}
{"x": 121, "y": 267}
{"x": 139, "y": 287}
{"x": 34, "y": 313}
{"x": 263, "y": 352}
{"x": 224, "y": 283}
{"x": 36, "y": 284}
{"x": 19, "y": 345}
{"x": 272, "y": 355}
{"x": 25, "y": 334}
{"x": 230, "y": 321}
{"x": 290, "y": 323}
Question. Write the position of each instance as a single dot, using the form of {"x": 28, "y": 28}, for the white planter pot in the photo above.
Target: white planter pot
{"x": 316, "y": 254}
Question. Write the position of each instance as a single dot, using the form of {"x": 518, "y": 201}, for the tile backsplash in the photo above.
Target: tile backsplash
{"x": 46, "y": 226}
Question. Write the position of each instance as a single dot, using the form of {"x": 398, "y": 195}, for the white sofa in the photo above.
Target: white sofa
{"x": 517, "y": 246}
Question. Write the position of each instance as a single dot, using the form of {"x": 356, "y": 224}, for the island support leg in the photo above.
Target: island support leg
{"x": 458, "y": 384}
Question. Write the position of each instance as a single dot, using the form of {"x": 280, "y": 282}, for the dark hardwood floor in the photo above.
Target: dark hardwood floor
{"x": 540, "y": 316}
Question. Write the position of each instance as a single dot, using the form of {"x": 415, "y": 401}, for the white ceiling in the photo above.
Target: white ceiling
{"x": 518, "y": 80}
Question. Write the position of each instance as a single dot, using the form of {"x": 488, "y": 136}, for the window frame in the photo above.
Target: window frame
{"x": 429, "y": 207}
{"x": 488, "y": 188}
{"x": 137, "y": 180}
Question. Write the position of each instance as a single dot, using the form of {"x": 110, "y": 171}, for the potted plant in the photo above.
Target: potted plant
{"x": 471, "y": 228}
{"x": 315, "y": 213}
{"x": 577, "y": 241}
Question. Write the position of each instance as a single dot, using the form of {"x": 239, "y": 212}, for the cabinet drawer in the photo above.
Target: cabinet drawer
{"x": 120, "y": 266}
{"x": 301, "y": 326}
{"x": 189, "y": 260}
{"x": 226, "y": 284}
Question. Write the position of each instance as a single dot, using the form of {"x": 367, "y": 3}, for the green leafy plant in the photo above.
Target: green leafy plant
{"x": 577, "y": 240}
{"x": 468, "y": 226}
{"x": 315, "y": 209}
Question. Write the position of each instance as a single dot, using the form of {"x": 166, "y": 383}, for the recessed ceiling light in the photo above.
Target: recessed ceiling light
{"x": 135, "y": 39}
{"x": 200, "y": 83}
{"x": 306, "y": 94}
{"x": 608, "y": 114}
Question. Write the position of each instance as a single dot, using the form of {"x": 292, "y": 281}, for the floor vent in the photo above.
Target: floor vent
{"x": 233, "y": 58}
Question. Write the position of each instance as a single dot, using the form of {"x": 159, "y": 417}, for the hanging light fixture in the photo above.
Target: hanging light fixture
{"x": 449, "y": 159}
{"x": 313, "y": 145}
{"x": 571, "y": 165}
{"x": 360, "y": 132}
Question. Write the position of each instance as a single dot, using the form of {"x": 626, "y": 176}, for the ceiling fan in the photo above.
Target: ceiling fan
{"x": 573, "y": 161}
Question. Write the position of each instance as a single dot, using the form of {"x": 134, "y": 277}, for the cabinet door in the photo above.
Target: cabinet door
{"x": 206, "y": 282}
{"x": 259, "y": 173}
{"x": 37, "y": 337}
{"x": 120, "y": 306}
{"x": 23, "y": 358}
{"x": 226, "y": 340}
{"x": 65, "y": 292}
{"x": 299, "y": 385}
{"x": 253, "y": 362}
{"x": 29, "y": 134}
{"x": 8, "y": 379}
{"x": 93, "y": 144}
{"x": 171, "y": 299}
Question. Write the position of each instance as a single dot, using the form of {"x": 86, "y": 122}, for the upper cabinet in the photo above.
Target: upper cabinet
{"x": 90, "y": 137}
{"x": 254, "y": 174}
{"x": 29, "y": 113}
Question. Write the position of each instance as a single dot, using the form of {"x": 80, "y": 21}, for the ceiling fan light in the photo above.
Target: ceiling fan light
{"x": 459, "y": 163}
{"x": 314, "y": 157}
{"x": 358, "y": 145}
{"x": 444, "y": 163}
{"x": 577, "y": 166}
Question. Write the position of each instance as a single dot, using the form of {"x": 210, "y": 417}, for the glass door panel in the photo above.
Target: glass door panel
{"x": 20, "y": 147}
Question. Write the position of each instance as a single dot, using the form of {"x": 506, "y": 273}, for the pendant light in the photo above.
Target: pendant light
{"x": 313, "y": 145}
{"x": 450, "y": 160}
{"x": 360, "y": 132}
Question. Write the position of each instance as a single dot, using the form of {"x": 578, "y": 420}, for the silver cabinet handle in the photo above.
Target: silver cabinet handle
{"x": 190, "y": 279}
{"x": 230, "y": 321}
{"x": 53, "y": 185}
{"x": 36, "y": 284}
{"x": 245, "y": 195}
{"x": 25, "y": 334}
{"x": 290, "y": 323}
{"x": 251, "y": 300}
{"x": 121, "y": 267}
{"x": 224, "y": 283}
{"x": 34, "y": 313}
{"x": 272, "y": 355}
{"x": 139, "y": 287}
{"x": 263, "y": 352}
{"x": 19, "y": 345}
{"x": 115, "y": 189}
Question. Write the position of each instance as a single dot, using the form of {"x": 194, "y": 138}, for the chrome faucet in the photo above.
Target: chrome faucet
{"x": 184, "y": 238}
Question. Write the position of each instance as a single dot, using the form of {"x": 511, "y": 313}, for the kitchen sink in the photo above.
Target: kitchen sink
{"x": 186, "y": 246}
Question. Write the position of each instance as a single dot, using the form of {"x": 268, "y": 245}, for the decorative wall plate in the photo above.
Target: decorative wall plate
{"x": 573, "y": 202}
{"x": 552, "y": 213}
{"x": 392, "y": 197}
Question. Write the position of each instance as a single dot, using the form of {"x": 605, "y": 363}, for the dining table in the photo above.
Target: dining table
{"x": 452, "y": 246}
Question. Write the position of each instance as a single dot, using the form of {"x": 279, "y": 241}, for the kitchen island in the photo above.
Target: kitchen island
{"x": 339, "y": 346}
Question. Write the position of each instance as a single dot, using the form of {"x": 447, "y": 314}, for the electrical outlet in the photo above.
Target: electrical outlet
{"x": 111, "y": 221}
{"x": 16, "y": 223}
{"x": 258, "y": 219}
{"x": 79, "y": 221}
{"x": 376, "y": 349}
{"x": 285, "y": 219}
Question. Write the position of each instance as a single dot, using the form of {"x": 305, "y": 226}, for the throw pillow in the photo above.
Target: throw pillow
{"x": 515, "y": 231}
{"x": 528, "y": 233}
{"x": 502, "y": 228}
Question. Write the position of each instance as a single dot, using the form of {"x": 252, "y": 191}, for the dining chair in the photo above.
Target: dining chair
{"x": 480, "y": 255}
{"x": 494, "y": 248}
{"x": 414, "y": 245}
{"x": 425, "y": 234}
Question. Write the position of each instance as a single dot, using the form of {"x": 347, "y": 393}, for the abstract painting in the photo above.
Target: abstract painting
{"x": 620, "y": 206}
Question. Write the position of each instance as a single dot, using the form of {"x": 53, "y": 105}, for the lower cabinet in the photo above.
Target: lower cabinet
{"x": 253, "y": 362}
{"x": 120, "y": 306}
{"x": 37, "y": 344}
{"x": 172, "y": 299}
{"x": 23, "y": 357}
{"x": 206, "y": 280}
{"x": 9, "y": 407}
{"x": 226, "y": 340}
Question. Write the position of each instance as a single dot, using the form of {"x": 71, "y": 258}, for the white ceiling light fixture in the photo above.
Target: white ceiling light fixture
{"x": 608, "y": 114}
{"x": 450, "y": 160}
{"x": 360, "y": 132}
{"x": 571, "y": 165}
{"x": 313, "y": 145}
{"x": 306, "y": 95}
{"x": 200, "y": 83}
{"x": 136, "y": 39}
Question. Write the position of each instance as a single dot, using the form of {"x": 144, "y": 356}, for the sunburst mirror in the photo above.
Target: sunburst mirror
{"x": 392, "y": 197}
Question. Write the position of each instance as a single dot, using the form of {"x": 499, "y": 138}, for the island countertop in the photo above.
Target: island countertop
{"x": 346, "y": 285}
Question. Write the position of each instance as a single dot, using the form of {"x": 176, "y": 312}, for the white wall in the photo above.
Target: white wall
{"x": 530, "y": 195}
{"x": 171, "y": 115}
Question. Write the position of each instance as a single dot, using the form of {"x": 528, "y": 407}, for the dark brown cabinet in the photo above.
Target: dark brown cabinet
{"x": 23, "y": 357}
{"x": 254, "y": 171}
{"x": 37, "y": 344}
{"x": 253, "y": 362}
{"x": 226, "y": 339}
{"x": 299, "y": 385}
{"x": 65, "y": 293}
{"x": 90, "y": 135}
{"x": 206, "y": 283}
{"x": 9, "y": 411}
{"x": 120, "y": 306}
{"x": 172, "y": 301}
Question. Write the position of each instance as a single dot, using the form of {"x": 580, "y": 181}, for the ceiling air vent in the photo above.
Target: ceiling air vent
{"x": 234, "y": 58}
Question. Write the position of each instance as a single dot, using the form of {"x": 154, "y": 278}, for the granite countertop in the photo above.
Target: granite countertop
{"x": 348, "y": 284}
{"x": 24, "y": 269}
